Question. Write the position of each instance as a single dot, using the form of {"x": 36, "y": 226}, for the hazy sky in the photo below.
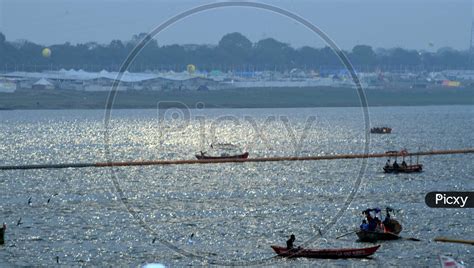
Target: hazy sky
{"x": 379, "y": 23}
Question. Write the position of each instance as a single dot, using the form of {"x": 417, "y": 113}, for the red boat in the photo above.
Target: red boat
{"x": 204, "y": 156}
{"x": 341, "y": 253}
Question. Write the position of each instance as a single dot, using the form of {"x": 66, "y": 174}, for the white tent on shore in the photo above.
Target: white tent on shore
{"x": 43, "y": 84}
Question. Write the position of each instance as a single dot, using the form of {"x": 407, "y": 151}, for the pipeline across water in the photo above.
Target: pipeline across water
{"x": 218, "y": 161}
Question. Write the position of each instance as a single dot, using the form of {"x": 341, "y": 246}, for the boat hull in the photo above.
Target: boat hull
{"x": 207, "y": 157}
{"x": 408, "y": 169}
{"x": 382, "y": 130}
{"x": 325, "y": 253}
{"x": 367, "y": 236}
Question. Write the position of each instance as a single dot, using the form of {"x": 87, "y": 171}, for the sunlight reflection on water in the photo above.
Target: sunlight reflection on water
{"x": 234, "y": 210}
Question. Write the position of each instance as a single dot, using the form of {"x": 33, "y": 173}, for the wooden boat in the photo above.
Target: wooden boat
{"x": 368, "y": 236}
{"x": 204, "y": 156}
{"x": 402, "y": 169}
{"x": 381, "y": 130}
{"x": 325, "y": 253}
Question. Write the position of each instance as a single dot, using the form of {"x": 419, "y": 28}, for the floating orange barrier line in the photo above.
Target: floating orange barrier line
{"x": 216, "y": 161}
{"x": 452, "y": 240}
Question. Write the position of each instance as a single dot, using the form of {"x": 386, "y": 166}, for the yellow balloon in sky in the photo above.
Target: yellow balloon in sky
{"x": 46, "y": 52}
{"x": 191, "y": 68}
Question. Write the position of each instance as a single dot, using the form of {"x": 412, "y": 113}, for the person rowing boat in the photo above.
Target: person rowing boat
{"x": 333, "y": 253}
{"x": 339, "y": 253}
{"x": 290, "y": 242}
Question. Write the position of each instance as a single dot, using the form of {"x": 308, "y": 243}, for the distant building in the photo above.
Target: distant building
{"x": 8, "y": 85}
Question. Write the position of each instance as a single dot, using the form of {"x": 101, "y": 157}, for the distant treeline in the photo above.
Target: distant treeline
{"x": 234, "y": 52}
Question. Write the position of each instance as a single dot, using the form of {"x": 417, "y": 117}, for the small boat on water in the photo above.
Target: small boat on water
{"x": 381, "y": 130}
{"x": 370, "y": 236}
{"x": 340, "y": 253}
{"x": 404, "y": 167}
{"x": 374, "y": 229}
{"x": 204, "y": 156}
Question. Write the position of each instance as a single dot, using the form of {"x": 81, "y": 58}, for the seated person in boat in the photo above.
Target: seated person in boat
{"x": 388, "y": 163}
{"x": 289, "y": 242}
{"x": 390, "y": 224}
{"x": 404, "y": 164}
{"x": 395, "y": 165}
{"x": 378, "y": 223}
{"x": 387, "y": 216}
{"x": 371, "y": 221}
{"x": 374, "y": 222}
{"x": 364, "y": 226}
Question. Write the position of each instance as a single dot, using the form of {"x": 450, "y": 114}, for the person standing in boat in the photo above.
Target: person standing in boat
{"x": 290, "y": 242}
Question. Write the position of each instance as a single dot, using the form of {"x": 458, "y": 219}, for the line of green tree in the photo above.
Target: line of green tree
{"x": 234, "y": 52}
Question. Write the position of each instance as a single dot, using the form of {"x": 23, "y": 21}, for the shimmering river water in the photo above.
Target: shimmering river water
{"x": 129, "y": 216}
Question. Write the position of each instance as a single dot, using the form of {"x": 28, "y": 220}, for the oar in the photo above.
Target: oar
{"x": 406, "y": 238}
{"x": 451, "y": 240}
{"x": 346, "y": 234}
{"x": 410, "y": 239}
